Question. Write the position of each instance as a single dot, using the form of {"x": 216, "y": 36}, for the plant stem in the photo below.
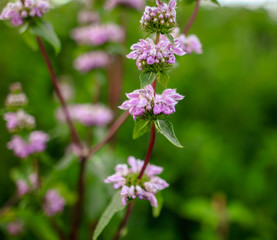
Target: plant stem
{"x": 125, "y": 220}
{"x": 78, "y": 209}
{"x": 74, "y": 134}
{"x": 149, "y": 151}
{"x": 23, "y": 2}
{"x": 192, "y": 18}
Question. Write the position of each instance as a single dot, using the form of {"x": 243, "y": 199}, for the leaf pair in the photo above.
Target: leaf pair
{"x": 148, "y": 77}
{"x": 163, "y": 126}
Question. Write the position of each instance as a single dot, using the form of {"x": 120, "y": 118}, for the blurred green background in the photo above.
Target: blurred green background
{"x": 223, "y": 183}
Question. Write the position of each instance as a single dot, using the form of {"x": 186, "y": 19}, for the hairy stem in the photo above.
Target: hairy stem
{"x": 192, "y": 18}
{"x": 74, "y": 134}
{"x": 125, "y": 220}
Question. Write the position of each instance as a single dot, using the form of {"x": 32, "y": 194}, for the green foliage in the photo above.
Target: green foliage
{"x": 46, "y": 31}
{"x": 146, "y": 78}
{"x": 156, "y": 211}
{"x": 114, "y": 207}
{"x": 163, "y": 78}
{"x": 170, "y": 38}
{"x": 141, "y": 127}
{"x": 166, "y": 128}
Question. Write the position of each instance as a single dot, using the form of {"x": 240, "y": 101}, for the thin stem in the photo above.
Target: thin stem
{"x": 192, "y": 18}
{"x": 74, "y": 134}
{"x": 149, "y": 151}
{"x": 78, "y": 209}
{"x": 125, "y": 220}
{"x": 113, "y": 129}
{"x": 23, "y": 2}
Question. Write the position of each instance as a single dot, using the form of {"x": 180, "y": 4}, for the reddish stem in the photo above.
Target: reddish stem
{"x": 150, "y": 150}
{"x": 125, "y": 220}
{"x": 192, "y": 18}
{"x": 74, "y": 134}
{"x": 23, "y": 2}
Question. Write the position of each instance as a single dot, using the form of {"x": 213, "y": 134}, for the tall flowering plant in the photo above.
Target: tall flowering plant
{"x": 150, "y": 110}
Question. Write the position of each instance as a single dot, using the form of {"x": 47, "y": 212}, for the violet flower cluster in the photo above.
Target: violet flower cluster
{"x": 86, "y": 16}
{"x": 98, "y": 34}
{"x": 17, "y": 12}
{"x": 144, "y": 102}
{"x": 92, "y": 60}
{"x": 15, "y": 228}
{"x": 131, "y": 187}
{"x": 53, "y": 203}
{"x": 160, "y": 19}
{"x": 17, "y": 121}
{"x": 155, "y": 57}
{"x": 87, "y": 114}
{"x": 24, "y": 187}
{"x": 22, "y": 148}
{"x": 136, "y": 4}
{"x": 190, "y": 44}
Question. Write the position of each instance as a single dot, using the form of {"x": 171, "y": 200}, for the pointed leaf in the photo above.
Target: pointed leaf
{"x": 163, "y": 78}
{"x": 46, "y": 31}
{"x": 170, "y": 38}
{"x": 141, "y": 127}
{"x": 114, "y": 207}
{"x": 156, "y": 211}
{"x": 166, "y": 128}
{"x": 147, "y": 78}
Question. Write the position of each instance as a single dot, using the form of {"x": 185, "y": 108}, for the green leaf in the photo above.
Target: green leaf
{"x": 30, "y": 40}
{"x": 141, "y": 127}
{"x": 170, "y": 38}
{"x": 114, "y": 207}
{"x": 163, "y": 78}
{"x": 166, "y": 128}
{"x": 147, "y": 78}
{"x": 46, "y": 31}
{"x": 216, "y": 2}
{"x": 156, "y": 211}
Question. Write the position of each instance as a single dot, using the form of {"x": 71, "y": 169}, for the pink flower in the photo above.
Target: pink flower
{"x": 190, "y": 44}
{"x": 86, "y": 16}
{"x": 17, "y": 12}
{"x": 146, "y": 188}
{"x": 92, "y": 60}
{"x": 137, "y": 4}
{"x": 165, "y": 103}
{"x": 35, "y": 144}
{"x": 15, "y": 228}
{"x": 98, "y": 34}
{"x": 88, "y": 114}
{"x": 19, "y": 120}
{"x": 147, "y": 53}
{"x": 161, "y": 18}
{"x": 22, "y": 187}
{"x": 53, "y": 203}
{"x": 142, "y": 101}
{"x": 139, "y": 101}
